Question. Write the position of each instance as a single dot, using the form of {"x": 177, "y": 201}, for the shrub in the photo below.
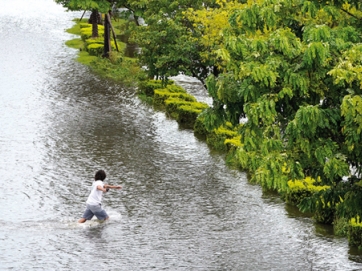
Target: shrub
{"x": 75, "y": 29}
{"x": 172, "y": 104}
{"x": 355, "y": 232}
{"x": 217, "y": 138}
{"x": 98, "y": 40}
{"x": 148, "y": 86}
{"x": 324, "y": 214}
{"x": 199, "y": 126}
{"x": 340, "y": 226}
{"x": 86, "y": 32}
{"x": 95, "y": 49}
{"x": 187, "y": 113}
{"x": 175, "y": 89}
{"x": 85, "y": 25}
{"x": 300, "y": 189}
{"x": 161, "y": 95}
{"x": 233, "y": 142}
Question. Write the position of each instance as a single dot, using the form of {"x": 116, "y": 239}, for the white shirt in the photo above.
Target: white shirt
{"x": 95, "y": 196}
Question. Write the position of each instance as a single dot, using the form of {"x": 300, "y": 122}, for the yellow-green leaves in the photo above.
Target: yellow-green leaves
{"x": 262, "y": 112}
{"x": 318, "y": 33}
{"x": 352, "y": 112}
{"x": 336, "y": 167}
{"x": 352, "y": 126}
{"x": 100, "y": 5}
{"x": 309, "y": 8}
{"x": 256, "y": 17}
{"x": 316, "y": 55}
{"x": 285, "y": 42}
{"x": 349, "y": 68}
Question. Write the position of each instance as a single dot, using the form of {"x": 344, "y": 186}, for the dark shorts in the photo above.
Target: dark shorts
{"x": 94, "y": 210}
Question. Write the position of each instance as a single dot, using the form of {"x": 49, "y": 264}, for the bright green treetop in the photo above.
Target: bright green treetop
{"x": 283, "y": 56}
{"x": 75, "y": 5}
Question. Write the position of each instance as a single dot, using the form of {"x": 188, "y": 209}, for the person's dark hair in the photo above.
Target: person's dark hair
{"x": 100, "y": 175}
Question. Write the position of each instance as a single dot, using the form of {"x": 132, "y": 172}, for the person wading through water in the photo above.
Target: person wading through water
{"x": 94, "y": 201}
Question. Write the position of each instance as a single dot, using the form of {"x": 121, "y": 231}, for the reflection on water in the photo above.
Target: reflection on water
{"x": 180, "y": 207}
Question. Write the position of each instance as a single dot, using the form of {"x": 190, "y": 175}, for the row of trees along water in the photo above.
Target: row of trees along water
{"x": 289, "y": 69}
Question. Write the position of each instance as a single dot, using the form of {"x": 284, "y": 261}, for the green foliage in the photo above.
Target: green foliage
{"x": 220, "y": 137}
{"x": 74, "y": 5}
{"x": 287, "y": 69}
{"x": 148, "y": 86}
{"x": 95, "y": 46}
{"x": 352, "y": 128}
{"x": 355, "y": 232}
{"x": 199, "y": 126}
{"x": 351, "y": 202}
{"x": 99, "y": 40}
{"x": 175, "y": 100}
{"x": 234, "y": 141}
{"x": 188, "y": 113}
{"x": 213, "y": 117}
{"x": 340, "y": 226}
{"x": 175, "y": 89}
{"x": 95, "y": 49}
{"x": 75, "y": 29}
{"x": 75, "y": 43}
{"x": 169, "y": 41}
{"x": 86, "y": 32}
{"x": 84, "y": 25}
{"x": 324, "y": 214}
{"x": 342, "y": 200}
{"x": 174, "y": 105}
{"x": 86, "y": 58}
{"x": 161, "y": 95}
{"x": 116, "y": 67}
{"x": 300, "y": 189}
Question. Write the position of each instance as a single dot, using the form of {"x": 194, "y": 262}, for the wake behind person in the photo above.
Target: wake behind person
{"x": 94, "y": 201}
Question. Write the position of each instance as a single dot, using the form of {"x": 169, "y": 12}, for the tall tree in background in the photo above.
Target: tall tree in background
{"x": 169, "y": 44}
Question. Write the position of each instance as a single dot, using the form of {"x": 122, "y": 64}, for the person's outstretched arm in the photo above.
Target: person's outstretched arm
{"x": 112, "y": 186}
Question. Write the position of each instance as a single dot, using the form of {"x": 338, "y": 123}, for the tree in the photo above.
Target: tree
{"x": 293, "y": 69}
{"x": 169, "y": 44}
{"x": 95, "y": 6}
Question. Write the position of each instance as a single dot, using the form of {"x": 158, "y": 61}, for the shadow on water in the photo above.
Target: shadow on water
{"x": 355, "y": 255}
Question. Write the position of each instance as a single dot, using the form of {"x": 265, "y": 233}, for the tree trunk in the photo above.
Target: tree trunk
{"x": 94, "y": 20}
{"x": 107, "y": 36}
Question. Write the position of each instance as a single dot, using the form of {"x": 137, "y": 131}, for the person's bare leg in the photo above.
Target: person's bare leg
{"x": 82, "y": 220}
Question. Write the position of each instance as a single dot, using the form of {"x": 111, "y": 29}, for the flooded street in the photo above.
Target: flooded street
{"x": 180, "y": 207}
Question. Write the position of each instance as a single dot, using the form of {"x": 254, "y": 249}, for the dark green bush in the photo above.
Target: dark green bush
{"x": 199, "y": 126}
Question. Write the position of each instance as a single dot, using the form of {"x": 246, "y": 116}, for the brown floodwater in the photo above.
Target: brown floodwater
{"x": 180, "y": 207}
